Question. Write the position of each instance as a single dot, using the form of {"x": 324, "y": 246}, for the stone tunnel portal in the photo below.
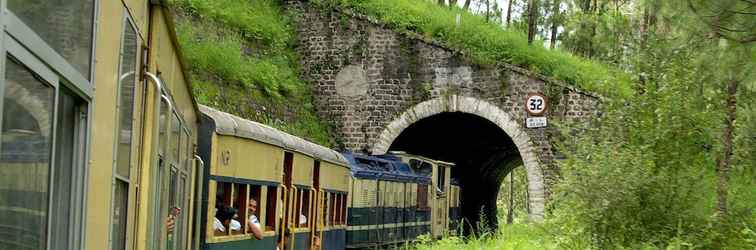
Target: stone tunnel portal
{"x": 482, "y": 152}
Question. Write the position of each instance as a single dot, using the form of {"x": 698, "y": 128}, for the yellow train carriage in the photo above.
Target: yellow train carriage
{"x": 300, "y": 188}
{"x": 98, "y": 127}
{"x": 439, "y": 194}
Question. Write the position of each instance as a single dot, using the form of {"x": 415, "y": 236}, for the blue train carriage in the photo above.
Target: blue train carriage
{"x": 389, "y": 202}
{"x": 296, "y": 190}
{"x": 439, "y": 195}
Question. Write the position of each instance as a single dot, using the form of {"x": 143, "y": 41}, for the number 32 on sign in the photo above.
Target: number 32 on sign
{"x": 536, "y": 105}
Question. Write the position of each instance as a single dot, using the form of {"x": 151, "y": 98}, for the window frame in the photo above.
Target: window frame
{"x": 21, "y": 43}
{"x": 132, "y": 180}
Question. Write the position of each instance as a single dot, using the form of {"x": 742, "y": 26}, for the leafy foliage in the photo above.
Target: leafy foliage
{"x": 488, "y": 43}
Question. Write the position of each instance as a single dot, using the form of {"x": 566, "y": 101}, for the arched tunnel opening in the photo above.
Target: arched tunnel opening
{"x": 483, "y": 153}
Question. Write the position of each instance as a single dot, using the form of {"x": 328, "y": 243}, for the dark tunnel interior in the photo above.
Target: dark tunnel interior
{"x": 480, "y": 150}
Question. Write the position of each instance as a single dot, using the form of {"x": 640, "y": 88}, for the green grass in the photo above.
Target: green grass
{"x": 488, "y": 43}
{"x": 242, "y": 61}
{"x": 515, "y": 236}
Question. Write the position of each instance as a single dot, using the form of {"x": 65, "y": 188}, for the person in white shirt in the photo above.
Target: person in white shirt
{"x": 253, "y": 223}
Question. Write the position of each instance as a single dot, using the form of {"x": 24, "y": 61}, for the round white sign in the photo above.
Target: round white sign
{"x": 536, "y": 104}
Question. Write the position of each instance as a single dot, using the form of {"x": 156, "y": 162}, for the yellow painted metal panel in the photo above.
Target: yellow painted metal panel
{"x": 302, "y": 170}
{"x": 100, "y": 174}
{"x": 246, "y": 159}
{"x": 139, "y": 10}
{"x": 334, "y": 177}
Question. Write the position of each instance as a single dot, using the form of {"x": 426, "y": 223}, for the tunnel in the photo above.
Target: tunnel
{"x": 483, "y": 154}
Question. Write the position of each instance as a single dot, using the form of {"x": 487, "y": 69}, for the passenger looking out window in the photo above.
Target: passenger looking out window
{"x": 253, "y": 223}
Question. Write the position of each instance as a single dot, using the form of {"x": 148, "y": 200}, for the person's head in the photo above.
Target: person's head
{"x": 225, "y": 213}
{"x": 252, "y": 206}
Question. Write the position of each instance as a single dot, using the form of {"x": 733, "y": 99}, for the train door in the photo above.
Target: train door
{"x": 315, "y": 228}
{"x": 440, "y": 204}
{"x": 286, "y": 224}
{"x": 438, "y": 201}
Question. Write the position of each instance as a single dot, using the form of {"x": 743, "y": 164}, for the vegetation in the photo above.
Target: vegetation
{"x": 487, "y": 43}
{"x": 242, "y": 61}
{"x": 670, "y": 164}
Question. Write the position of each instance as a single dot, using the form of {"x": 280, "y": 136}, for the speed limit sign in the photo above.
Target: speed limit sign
{"x": 536, "y": 104}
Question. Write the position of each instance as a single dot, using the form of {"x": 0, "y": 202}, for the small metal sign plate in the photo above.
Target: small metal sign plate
{"x": 535, "y": 122}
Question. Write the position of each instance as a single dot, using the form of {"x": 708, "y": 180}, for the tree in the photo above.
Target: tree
{"x": 509, "y": 12}
{"x": 731, "y": 21}
{"x": 555, "y": 20}
{"x": 467, "y": 4}
{"x": 532, "y": 20}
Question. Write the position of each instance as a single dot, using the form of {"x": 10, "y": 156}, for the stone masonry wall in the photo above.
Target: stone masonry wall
{"x": 364, "y": 75}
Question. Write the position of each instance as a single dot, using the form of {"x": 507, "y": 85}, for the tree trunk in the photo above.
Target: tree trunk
{"x": 532, "y": 20}
{"x": 467, "y": 4}
{"x": 555, "y": 19}
{"x": 509, "y": 12}
{"x": 723, "y": 164}
{"x": 488, "y": 10}
{"x": 442, "y": 2}
{"x": 510, "y": 207}
{"x": 452, "y": 3}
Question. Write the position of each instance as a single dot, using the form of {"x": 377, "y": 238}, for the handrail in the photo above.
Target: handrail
{"x": 155, "y": 79}
{"x": 198, "y": 201}
{"x": 293, "y": 218}
{"x": 282, "y": 235}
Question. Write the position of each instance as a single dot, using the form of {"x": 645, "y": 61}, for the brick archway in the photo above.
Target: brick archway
{"x": 488, "y": 111}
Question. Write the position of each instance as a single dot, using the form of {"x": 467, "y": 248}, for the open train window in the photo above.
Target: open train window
{"x": 326, "y": 209}
{"x": 253, "y": 207}
{"x": 441, "y": 178}
{"x": 331, "y": 200}
{"x": 343, "y": 209}
{"x": 240, "y": 207}
{"x": 304, "y": 211}
{"x": 222, "y": 203}
{"x": 270, "y": 208}
{"x": 422, "y": 197}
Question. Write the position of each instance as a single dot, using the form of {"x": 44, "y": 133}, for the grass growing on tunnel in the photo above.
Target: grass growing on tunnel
{"x": 488, "y": 43}
{"x": 242, "y": 60}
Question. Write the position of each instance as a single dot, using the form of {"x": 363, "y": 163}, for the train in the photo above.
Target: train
{"x": 311, "y": 197}
{"x": 104, "y": 146}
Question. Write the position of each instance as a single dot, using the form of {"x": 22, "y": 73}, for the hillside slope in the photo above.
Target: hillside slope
{"x": 242, "y": 61}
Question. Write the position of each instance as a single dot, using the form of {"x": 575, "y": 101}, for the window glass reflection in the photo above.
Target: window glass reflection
{"x": 25, "y": 158}
{"x": 65, "y": 25}
{"x": 127, "y": 80}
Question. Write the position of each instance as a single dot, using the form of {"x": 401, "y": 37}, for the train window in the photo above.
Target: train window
{"x": 270, "y": 208}
{"x": 325, "y": 209}
{"x": 422, "y": 197}
{"x": 343, "y": 209}
{"x": 175, "y": 138}
{"x": 240, "y": 205}
{"x": 332, "y": 209}
{"x": 253, "y": 207}
{"x": 69, "y": 34}
{"x": 441, "y": 180}
{"x": 124, "y": 134}
{"x": 305, "y": 208}
{"x": 222, "y": 217}
{"x": 35, "y": 186}
{"x": 24, "y": 163}
{"x": 186, "y": 151}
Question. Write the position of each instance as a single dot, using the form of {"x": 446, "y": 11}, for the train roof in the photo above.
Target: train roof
{"x": 231, "y": 125}
{"x": 383, "y": 167}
